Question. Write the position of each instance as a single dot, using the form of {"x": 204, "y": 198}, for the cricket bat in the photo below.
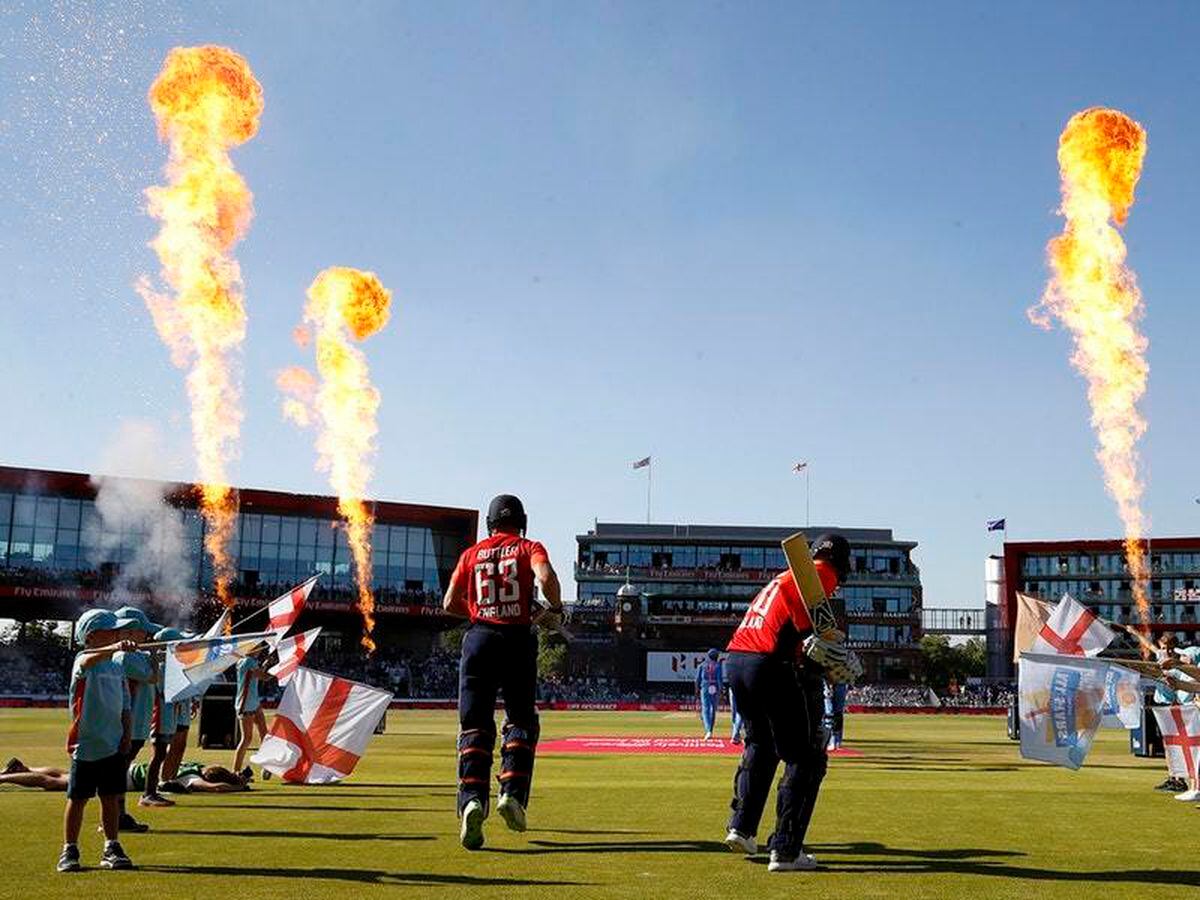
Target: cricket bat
{"x": 812, "y": 592}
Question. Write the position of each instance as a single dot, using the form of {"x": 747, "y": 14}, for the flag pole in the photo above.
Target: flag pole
{"x": 807, "y": 495}
{"x": 649, "y": 483}
{"x": 262, "y": 609}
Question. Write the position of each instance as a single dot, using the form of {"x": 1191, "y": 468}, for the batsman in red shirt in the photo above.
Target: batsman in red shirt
{"x": 493, "y": 585}
{"x": 776, "y": 667}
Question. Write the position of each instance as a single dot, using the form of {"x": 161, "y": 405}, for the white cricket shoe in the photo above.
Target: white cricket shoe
{"x": 739, "y": 843}
{"x": 512, "y": 812}
{"x": 471, "y": 833}
{"x": 802, "y": 863}
{"x": 708, "y": 735}
{"x": 1188, "y": 796}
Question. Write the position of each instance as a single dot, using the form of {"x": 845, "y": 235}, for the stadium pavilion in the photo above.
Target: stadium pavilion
{"x": 1095, "y": 573}
{"x": 672, "y": 591}
{"x": 61, "y": 552}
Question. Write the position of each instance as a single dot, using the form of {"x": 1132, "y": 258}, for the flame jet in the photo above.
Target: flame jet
{"x": 1095, "y": 295}
{"x": 344, "y": 306}
{"x": 206, "y": 101}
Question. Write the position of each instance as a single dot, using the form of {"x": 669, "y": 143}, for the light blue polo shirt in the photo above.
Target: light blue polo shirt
{"x": 99, "y": 695}
{"x": 247, "y": 686}
{"x": 138, "y": 671}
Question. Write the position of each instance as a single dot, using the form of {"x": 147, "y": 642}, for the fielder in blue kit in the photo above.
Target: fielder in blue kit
{"x": 710, "y": 680}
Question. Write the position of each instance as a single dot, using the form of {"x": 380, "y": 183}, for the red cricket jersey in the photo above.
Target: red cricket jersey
{"x": 777, "y": 617}
{"x": 499, "y": 576}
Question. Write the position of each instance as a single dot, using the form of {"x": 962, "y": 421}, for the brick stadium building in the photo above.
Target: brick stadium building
{"x": 61, "y": 552}
{"x": 1095, "y": 573}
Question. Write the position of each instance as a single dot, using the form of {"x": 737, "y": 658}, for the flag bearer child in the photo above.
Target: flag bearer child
{"x": 99, "y": 738}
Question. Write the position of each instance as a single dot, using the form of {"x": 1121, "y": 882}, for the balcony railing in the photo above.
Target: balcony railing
{"x": 716, "y": 573}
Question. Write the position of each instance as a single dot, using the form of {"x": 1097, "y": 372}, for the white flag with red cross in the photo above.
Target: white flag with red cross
{"x": 291, "y": 654}
{"x": 1180, "y": 727}
{"x": 321, "y": 728}
{"x": 285, "y": 609}
{"x": 1072, "y": 630}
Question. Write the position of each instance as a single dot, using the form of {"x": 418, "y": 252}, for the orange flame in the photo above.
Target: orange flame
{"x": 206, "y": 101}
{"x": 344, "y": 305}
{"x": 1095, "y": 295}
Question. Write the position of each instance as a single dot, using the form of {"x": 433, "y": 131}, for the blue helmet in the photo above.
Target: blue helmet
{"x": 714, "y": 653}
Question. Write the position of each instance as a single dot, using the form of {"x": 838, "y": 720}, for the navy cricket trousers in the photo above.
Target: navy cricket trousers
{"x": 497, "y": 658}
{"x": 782, "y": 707}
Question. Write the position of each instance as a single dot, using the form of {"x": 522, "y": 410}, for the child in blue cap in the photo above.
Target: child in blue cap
{"x": 142, "y": 675}
{"x": 99, "y": 738}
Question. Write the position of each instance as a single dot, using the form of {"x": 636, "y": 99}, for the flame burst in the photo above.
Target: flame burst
{"x": 206, "y": 101}
{"x": 344, "y": 306}
{"x": 1095, "y": 295}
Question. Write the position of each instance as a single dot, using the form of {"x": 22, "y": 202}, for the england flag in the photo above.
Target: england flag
{"x": 291, "y": 654}
{"x": 322, "y": 728}
{"x": 1072, "y": 630}
{"x": 1180, "y": 727}
{"x": 285, "y": 609}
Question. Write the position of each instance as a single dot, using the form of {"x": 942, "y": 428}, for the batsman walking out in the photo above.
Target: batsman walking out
{"x": 493, "y": 586}
{"x": 776, "y": 666}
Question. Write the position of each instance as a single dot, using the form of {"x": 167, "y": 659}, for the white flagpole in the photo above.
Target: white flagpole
{"x": 649, "y": 483}
{"x": 807, "y": 495}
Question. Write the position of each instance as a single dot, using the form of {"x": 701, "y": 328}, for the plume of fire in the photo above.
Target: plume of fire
{"x": 344, "y": 306}
{"x": 1095, "y": 295}
{"x": 206, "y": 101}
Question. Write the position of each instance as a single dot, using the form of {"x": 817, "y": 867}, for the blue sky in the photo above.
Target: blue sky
{"x": 731, "y": 236}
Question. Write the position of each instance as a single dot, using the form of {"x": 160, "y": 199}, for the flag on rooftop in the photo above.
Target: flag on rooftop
{"x": 642, "y": 463}
{"x": 799, "y": 467}
{"x": 996, "y": 525}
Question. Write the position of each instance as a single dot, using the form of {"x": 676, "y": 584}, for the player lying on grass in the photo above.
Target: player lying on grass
{"x": 193, "y": 777}
{"x": 493, "y": 586}
{"x": 777, "y": 667}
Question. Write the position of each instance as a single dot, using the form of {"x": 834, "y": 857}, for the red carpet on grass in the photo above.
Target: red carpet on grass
{"x": 669, "y": 745}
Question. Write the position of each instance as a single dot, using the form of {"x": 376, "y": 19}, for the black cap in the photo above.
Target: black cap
{"x": 506, "y": 511}
{"x": 834, "y": 549}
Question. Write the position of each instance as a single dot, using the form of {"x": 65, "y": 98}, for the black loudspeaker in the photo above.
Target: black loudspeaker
{"x": 1146, "y": 739}
{"x": 1014, "y": 719}
{"x": 218, "y": 724}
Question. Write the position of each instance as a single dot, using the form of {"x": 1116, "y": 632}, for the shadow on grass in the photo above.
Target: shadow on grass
{"x": 586, "y": 831}
{"x": 968, "y": 861}
{"x": 305, "y": 835}
{"x": 871, "y": 848}
{"x": 538, "y": 848}
{"x": 291, "y": 807}
{"x": 363, "y": 876}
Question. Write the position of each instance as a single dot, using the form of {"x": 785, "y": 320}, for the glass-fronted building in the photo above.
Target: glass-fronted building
{"x": 1096, "y": 573}
{"x": 69, "y": 541}
{"x": 694, "y": 582}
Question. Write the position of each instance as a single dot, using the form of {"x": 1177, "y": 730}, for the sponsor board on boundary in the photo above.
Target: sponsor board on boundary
{"x": 678, "y": 666}
{"x": 632, "y": 744}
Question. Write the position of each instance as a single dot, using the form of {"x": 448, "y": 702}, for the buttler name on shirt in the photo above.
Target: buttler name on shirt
{"x": 498, "y": 597}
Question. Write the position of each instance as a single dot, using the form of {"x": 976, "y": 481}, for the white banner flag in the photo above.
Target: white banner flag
{"x": 1061, "y": 698}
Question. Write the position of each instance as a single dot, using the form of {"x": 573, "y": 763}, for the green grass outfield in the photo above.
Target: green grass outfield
{"x": 939, "y": 806}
